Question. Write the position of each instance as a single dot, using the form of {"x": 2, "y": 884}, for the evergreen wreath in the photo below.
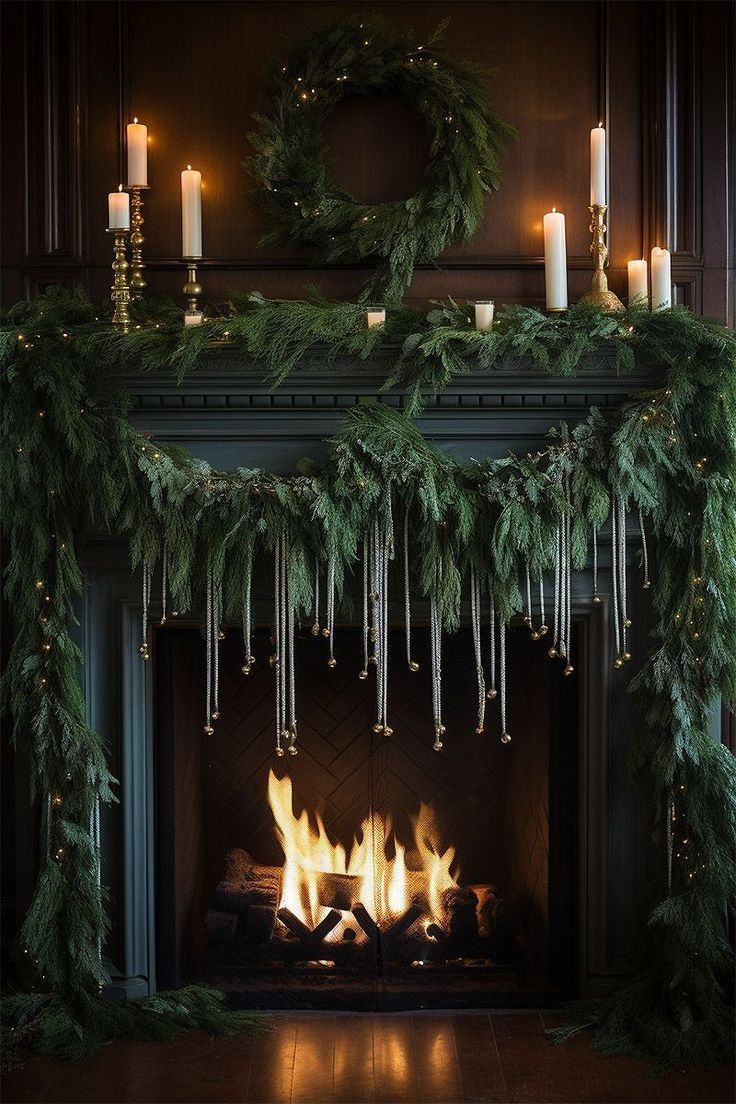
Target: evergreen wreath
{"x": 305, "y": 205}
{"x": 70, "y": 460}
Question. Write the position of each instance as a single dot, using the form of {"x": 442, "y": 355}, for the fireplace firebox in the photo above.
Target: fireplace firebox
{"x": 546, "y": 832}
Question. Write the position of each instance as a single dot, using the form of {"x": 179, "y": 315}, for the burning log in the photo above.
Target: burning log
{"x": 403, "y": 923}
{"x": 338, "y": 891}
{"x": 366, "y": 921}
{"x": 460, "y": 919}
{"x": 247, "y": 883}
{"x": 310, "y": 937}
{"x": 498, "y": 916}
{"x": 220, "y": 926}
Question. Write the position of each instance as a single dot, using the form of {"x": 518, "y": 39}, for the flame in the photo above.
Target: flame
{"x": 387, "y": 878}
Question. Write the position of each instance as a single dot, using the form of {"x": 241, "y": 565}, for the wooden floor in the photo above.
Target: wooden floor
{"x": 321, "y": 1058}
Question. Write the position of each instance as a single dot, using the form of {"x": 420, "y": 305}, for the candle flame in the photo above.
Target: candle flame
{"x": 554, "y": 210}
{"x": 189, "y": 168}
{"x": 135, "y": 118}
{"x": 120, "y": 187}
{"x": 600, "y": 124}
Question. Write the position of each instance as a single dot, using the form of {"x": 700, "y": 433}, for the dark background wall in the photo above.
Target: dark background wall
{"x": 660, "y": 75}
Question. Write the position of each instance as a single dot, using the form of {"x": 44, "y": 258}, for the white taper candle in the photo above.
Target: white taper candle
{"x": 118, "y": 210}
{"x": 555, "y": 260}
{"x": 638, "y": 287}
{"x": 191, "y": 213}
{"x": 597, "y": 166}
{"x": 137, "y": 155}
{"x": 661, "y": 278}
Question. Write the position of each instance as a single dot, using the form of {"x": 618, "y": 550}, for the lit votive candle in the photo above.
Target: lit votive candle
{"x": 137, "y": 155}
{"x": 555, "y": 260}
{"x": 661, "y": 278}
{"x": 375, "y": 316}
{"x": 638, "y": 287}
{"x": 484, "y": 309}
{"x": 118, "y": 210}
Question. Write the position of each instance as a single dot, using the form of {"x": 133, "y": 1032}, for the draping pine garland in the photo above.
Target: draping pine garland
{"x": 306, "y": 207}
{"x": 492, "y": 531}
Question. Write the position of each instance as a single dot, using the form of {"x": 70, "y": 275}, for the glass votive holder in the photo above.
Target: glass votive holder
{"x": 484, "y": 309}
{"x": 375, "y": 316}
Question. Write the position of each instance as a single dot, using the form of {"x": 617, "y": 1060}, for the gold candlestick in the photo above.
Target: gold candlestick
{"x": 599, "y": 293}
{"x": 120, "y": 290}
{"x": 137, "y": 281}
{"x": 192, "y": 290}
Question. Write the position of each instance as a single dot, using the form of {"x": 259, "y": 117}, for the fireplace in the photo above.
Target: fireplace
{"x": 367, "y": 872}
{"x": 565, "y": 836}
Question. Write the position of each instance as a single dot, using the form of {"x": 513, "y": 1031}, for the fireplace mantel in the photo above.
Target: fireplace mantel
{"x": 225, "y": 413}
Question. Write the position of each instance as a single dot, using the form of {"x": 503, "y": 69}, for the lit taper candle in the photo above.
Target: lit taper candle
{"x": 118, "y": 210}
{"x": 191, "y": 213}
{"x": 598, "y": 166}
{"x": 638, "y": 288}
{"x": 137, "y": 155}
{"x": 661, "y": 278}
{"x": 555, "y": 260}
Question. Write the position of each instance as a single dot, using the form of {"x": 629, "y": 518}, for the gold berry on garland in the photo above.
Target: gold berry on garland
{"x": 307, "y": 207}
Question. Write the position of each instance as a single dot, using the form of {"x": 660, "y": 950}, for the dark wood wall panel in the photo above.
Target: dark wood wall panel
{"x": 658, "y": 74}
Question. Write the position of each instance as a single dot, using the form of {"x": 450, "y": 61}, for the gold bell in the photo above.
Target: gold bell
{"x": 145, "y": 656}
{"x": 325, "y": 631}
{"x": 315, "y": 629}
{"x": 535, "y": 635}
{"x": 378, "y": 727}
{"x": 221, "y": 634}
{"x": 280, "y": 752}
{"x": 413, "y": 665}
{"x": 492, "y": 693}
{"x": 627, "y": 657}
{"x": 627, "y": 623}
{"x": 552, "y": 652}
{"x": 245, "y": 669}
{"x": 143, "y": 649}
{"x": 543, "y": 630}
{"x": 388, "y": 731}
{"x": 362, "y": 675}
{"x": 597, "y": 599}
{"x": 293, "y": 750}
{"x": 443, "y": 730}
{"x": 437, "y": 745}
{"x": 479, "y": 729}
{"x": 568, "y": 669}
{"x": 505, "y": 738}
{"x": 618, "y": 662}
{"x": 646, "y": 585}
{"x": 208, "y": 730}
{"x": 332, "y": 662}
{"x": 273, "y": 660}
{"x": 372, "y": 660}
{"x": 215, "y": 716}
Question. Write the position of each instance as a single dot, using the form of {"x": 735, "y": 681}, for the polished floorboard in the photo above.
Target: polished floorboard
{"x": 320, "y": 1058}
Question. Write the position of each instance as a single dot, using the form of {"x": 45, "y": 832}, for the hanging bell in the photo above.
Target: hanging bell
{"x": 221, "y": 634}
{"x": 618, "y": 662}
{"x": 626, "y": 657}
{"x": 568, "y": 669}
{"x": 413, "y": 665}
{"x": 479, "y": 729}
{"x": 627, "y": 622}
{"x": 535, "y": 635}
{"x": 437, "y": 745}
{"x": 378, "y": 727}
{"x": 325, "y": 631}
{"x": 245, "y": 669}
{"x": 552, "y": 652}
{"x": 492, "y": 693}
{"x": 505, "y": 738}
{"x": 332, "y": 662}
{"x": 293, "y": 749}
{"x": 280, "y": 752}
{"x": 208, "y": 730}
{"x": 362, "y": 675}
{"x": 597, "y": 599}
{"x": 315, "y": 629}
{"x": 543, "y": 630}
{"x": 388, "y": 731}
{"x": 215, "y": 716}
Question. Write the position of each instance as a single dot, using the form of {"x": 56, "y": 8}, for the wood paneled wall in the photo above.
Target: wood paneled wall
{"x": 661, "y": 76}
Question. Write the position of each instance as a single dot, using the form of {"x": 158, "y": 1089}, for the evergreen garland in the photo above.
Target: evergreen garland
{"x": 306, "y": 207}
{"x": 70, "y": 460}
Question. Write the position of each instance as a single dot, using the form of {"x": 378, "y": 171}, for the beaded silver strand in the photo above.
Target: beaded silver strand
{"x": 436, "y": 650}
{"x": 528, "y": 610}
{"x": 568, "y": 669}
{"x": 208, "y": 647}
{"x": 505, "y": 738}
{"x": 623, "y": 582}
{"x": 315, "y": 619}
{"x": 644, "y": 552}
{"x": 164, "y": 582}
{"x": 475, "y": 619}
{"x": 552, "y": 651}
{"x": 411, "y": 663}
{"x": 542, "y": 630}
{"x": 291, "y": 726}
{"x": 146, "y": 600}
{"x": 248, "y": 658}
{"x": 618, "y": 658}
{"x": 596, "y": 596}
{"x": 491, "y": 693}
{"x": 387, "y": 555}
{"x": 276, "y": 658}
{"x": 329, "y": 629}
{"x": 363, "y": 673}
{"x": 94, "y": 839}
{"x": 376, "y": 630}
{"x": 218, "y": 634}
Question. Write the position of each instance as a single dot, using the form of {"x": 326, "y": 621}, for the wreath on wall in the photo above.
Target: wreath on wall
{"x": 307, "y": 207}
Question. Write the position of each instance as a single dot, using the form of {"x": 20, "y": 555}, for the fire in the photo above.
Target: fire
{"x": 377, "y": 870}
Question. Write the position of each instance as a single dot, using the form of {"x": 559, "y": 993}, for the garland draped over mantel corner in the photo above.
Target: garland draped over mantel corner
{"x": 70, "y": 460}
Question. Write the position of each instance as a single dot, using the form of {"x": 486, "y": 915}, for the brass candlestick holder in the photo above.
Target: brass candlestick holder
{"x": 192, "y": 289}
{"x": 120, "y": 289}
{"x": 137, "y": 281}
{"x": 599, "y": 293}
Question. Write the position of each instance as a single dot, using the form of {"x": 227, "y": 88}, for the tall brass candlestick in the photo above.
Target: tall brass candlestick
{"x": 192, "y": 289}
{"x": 599, "y": 293}
{"x": 120, "y": 290}
{"x": 137, "y": 281}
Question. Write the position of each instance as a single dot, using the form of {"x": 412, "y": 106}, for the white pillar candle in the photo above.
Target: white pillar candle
{"x": 555, "y": 260}
{"x": 375, "y": 317}
{"x": 137, "y": 155}
{"x": 661, "y": 278}
{"x": 597, "y": 166}
{"x": 484, "y": 309}
{"x": 638, "y": 288}
{"x": 118, "y": 210}
{"x": 191, "y": 212}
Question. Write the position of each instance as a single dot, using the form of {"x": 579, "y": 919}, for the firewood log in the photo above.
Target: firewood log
{"x": 498, "y": 916}
{"x": 459, "y": 914}
{"x": 338, "y": 891}
{"x": 247, "y": 883}
{"x": 260, "y": 921}
{"x": 220, "y": 926}
{"x": 486, "y": 896}
{"x": 240, "y": 867}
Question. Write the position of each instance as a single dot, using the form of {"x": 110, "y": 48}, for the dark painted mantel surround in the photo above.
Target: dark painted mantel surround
{"x": 224, "y": 413}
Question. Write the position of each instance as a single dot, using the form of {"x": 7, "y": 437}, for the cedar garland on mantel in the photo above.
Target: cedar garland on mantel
{"x": 71, "y": 460}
